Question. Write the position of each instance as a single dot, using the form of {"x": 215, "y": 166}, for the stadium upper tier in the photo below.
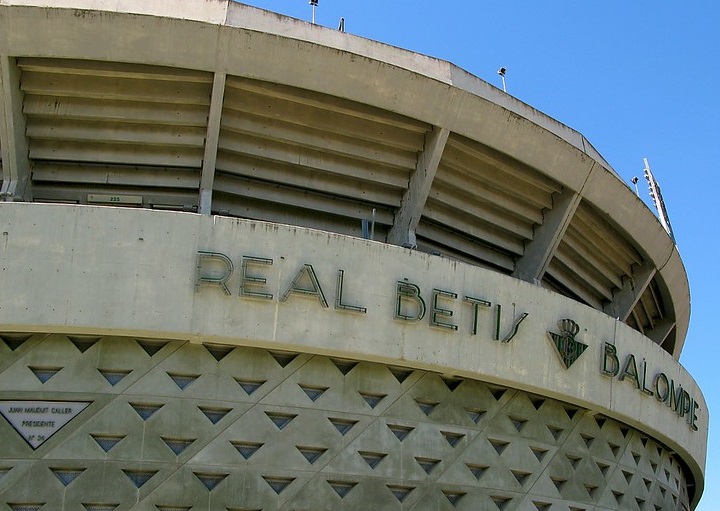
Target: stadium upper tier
{"x": 220, "y": 108}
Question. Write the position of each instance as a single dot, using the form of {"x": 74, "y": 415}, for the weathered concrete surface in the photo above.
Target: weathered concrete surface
{"x": 233, "y": 39}
{"x": 113, "y": 271}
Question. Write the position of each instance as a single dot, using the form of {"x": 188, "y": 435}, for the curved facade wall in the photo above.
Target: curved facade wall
{"x": 198, "y": 322}
{"x": 152, "y": 312}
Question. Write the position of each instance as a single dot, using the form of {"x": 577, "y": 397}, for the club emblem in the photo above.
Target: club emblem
{"x": 567, "y": 347}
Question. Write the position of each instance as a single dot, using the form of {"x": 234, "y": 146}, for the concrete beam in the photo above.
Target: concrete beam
{"x": 211, "y": 143}
{"x": 13, "y": 141}
{"x": 634, "y": 286}
{"x": 539, "y": 252}
{"x": 416, "y": 194}
{"x": 660, "y": 333}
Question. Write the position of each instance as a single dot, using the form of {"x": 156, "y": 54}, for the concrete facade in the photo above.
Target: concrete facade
{"x": 191, "y": 320}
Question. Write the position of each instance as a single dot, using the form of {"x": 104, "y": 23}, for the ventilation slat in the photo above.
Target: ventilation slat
{"x": 316, "y": 138}
{"x": 328, "y": 103}
{"x": 121, "y": 176}
{"x": 115, "y": 110}
{"x": 112, "y": 69}
{"x": 120, "y": 133}
{"x": 101, "y": 87}
{"x": 308, "y": 179}
{"x": 481, "y": 229}
{"x": 115, "y": 153}
{"x": 271, "y": 108}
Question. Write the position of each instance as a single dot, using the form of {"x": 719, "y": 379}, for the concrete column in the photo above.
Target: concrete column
{"x": 413, "y": 202}
{"x": 634, "y": 286}
{"x": 539, "y": 252}
{"x": 13, "y": 141}
{"x": 211, "y": 143}
{"x": 661, "y": 332}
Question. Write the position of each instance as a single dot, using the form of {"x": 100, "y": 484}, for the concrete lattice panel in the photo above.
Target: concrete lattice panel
{"x": 178, "y": 426}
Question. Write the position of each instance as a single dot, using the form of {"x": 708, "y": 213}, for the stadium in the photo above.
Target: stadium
{"x": 251, "y": 263}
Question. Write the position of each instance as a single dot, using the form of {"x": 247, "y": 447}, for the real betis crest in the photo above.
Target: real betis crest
{"x": 567, "y": 347}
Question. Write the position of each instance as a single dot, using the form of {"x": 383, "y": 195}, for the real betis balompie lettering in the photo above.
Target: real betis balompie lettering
{"x": 664, "y": 388}
{"x": 439, "y": 306}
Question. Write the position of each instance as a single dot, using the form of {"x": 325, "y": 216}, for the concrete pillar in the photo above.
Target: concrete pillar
{"x": 413, "y": 202}
{"x": 211, "y": 143}
{"x": 13, "y": 141}
{"x": 539, "y": 252}
{"x": 634, "y": 286}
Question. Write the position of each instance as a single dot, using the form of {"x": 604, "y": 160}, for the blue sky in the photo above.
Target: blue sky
{"x": 638, "y": 78}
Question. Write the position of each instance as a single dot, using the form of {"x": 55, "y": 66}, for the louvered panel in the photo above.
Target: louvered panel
{"x": 160, "y": 198}
{"x": 241, "y": 189}
{"x": 60, "y": 150}
{"x": 596, "y": 250}
{"x": 641, "y": 318}
{"x": 478, "y": 208}
{"x": 577, "y": 248}
{"x": 588, "y": 221}
{"x": 112, "y": 69}
{"x": 434, "y": 239}
{"x": 468, "y": 184}
{"x": 116, "y": 132}
{"x": 633, "y": 323}
{"x": 316, "y": 115}
{"x": 585, "y": 274}
{"x": 167, "y": 114}
{"x": 469, "y": 154}
{"x": 317, "y": 139}
{"x": 88, "y": 112}
{"x": 489, "y": 179}
{"x": 117, "y": 175}
{"x": 568, "y": 279}
{"x": 319, "y": 161}
{"x": 308, "y": 179}
{"x": 649, "y": 308}
{"x": 101, "y": 87}
{"x": 329, "y": 104}
{"x": 472, "y": 227}
{"x": 232, "y": 205}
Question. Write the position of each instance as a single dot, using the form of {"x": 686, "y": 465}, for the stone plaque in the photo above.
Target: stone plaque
{"x": 36, "y": 421}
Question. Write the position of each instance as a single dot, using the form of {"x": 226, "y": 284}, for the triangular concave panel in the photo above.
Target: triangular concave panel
{"x": 44, "y": 373}
{"x": 67, "y": 475}
{"x": 210, "y": 481}
{"x": 107, "y": 442}
{"x": 311, "y": 454}
{"x": 278, "y": 484}
{"x": 250, "y": 386}
{"x": 342, "y": 488}
{"x": 139, "y": 477}
{"x": 145, "y": 410}
{"x": 401, "y": 432}
{"x": 342, "y": 425}
{"x": 214, "y": 415}
{"x": 114, "y": 376}
{"x": 177, "y": 445}
{"x": 400, "y": 492}
{"x": 247, "y": 449}
{"x": 313, "y": 393}
{"x": 372, "y": 458}
{"x": 281, "y": 420}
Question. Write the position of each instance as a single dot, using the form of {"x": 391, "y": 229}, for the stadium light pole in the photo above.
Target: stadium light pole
{"x": 314, "y": 4}
{"x": 501, "y": 72}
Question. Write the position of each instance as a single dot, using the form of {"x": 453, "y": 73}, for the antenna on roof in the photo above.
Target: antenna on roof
{"x": 657, "y": 199}
{"x": 501, "y": 72}
{"x": 341, "y": 25}
{"x": 634, "y": 181}
{"x": 314, "y": 4}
